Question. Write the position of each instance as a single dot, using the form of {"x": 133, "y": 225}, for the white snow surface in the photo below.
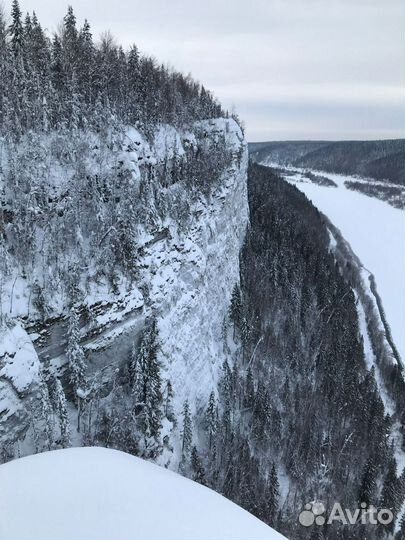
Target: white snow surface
{"x": 21, "y": 363}
{"x": 376, "y": 232}
{"x": 168, "y": 143}
{"x": 20, "y": 378}
{"x": 100, "y": 494}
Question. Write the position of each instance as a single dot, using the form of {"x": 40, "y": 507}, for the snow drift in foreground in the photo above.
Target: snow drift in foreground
{"x": 100, "y": 494}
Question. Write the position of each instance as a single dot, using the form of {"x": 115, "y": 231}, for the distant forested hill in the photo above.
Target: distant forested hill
{"x": 382, "y": 160}
{"x": 283, "y": 152}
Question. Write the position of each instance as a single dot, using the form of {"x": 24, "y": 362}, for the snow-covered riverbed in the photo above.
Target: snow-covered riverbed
{"x": 376, "y": 233}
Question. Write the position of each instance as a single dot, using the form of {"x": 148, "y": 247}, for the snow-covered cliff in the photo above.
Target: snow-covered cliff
{"x": 187, "y": 261}
{"x": 191, "y": 278}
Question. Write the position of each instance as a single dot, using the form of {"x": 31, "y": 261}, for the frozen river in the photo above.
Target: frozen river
{"x": 376, "y": 232}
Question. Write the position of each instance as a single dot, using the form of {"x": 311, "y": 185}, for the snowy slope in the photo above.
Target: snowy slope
{"x": 376, "y": 233}
{"x": 94, "y": 493}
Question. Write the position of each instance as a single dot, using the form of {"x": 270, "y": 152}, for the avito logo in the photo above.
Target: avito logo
{"x": 314, "y": 513}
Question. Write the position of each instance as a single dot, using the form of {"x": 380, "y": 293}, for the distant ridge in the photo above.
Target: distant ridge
{"x": 381, "y": 160}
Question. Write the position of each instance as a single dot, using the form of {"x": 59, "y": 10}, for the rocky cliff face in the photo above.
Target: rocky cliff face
{"x": 191, "y": 278}
{"x": 184, "y": 278}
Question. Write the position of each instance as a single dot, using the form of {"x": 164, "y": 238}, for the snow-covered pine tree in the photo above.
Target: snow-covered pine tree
{"x": 197, "y": 467}
{"x": 368, "y": 486}
{"x": 58, "y": 401}
{"x": 86, "y": 65}
{"x": 132, "y": 365}
{"x": 168, "y": 402}
{"x": 57, "y": 76}
{"x": 226, "y": 382}
{"x": 75, "y": 355}
{"x": 249, "y": 393}
{"x": 146, "y": 386}
{"x": 391, "y": 496}
{"x": 16, "y": 29}
{"x": 211, "y": 419}
{"x": 46, "y": 413}
{"x": 273, "y": 496}
{"x": 153, "y": 395}
{"x": 235, "y": 309}
{"x": 134, "y": 83}
{"x": 4, "y": 65}
{"x": 187, "y": 431}
{"x": 245, "y": 333}
{"x": 70, "y": 41}
{"x": 224, "y": 336}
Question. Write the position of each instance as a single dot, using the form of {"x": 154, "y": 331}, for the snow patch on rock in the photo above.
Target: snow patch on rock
{"x": 20, "y": 363}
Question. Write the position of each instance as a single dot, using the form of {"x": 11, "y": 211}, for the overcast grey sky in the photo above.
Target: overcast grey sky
{"x": 293, "y": 69}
